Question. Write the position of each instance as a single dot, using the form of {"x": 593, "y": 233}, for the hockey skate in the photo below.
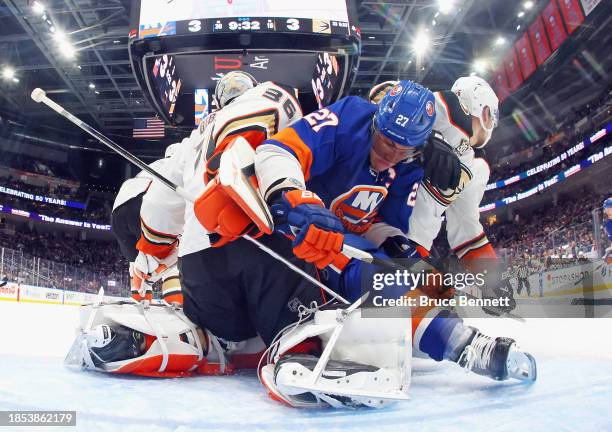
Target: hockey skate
{"x": 498, "y": 358}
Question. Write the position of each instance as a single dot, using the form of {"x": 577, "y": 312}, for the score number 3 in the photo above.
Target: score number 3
{"x": 321, "y": 118}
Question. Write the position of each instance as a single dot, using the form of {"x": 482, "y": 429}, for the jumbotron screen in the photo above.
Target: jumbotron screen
{"x": 176, "y": 17}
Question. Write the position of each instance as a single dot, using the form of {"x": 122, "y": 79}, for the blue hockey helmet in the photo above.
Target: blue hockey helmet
{"x": 406, "y": 114}
{"x": 608, "y": 203}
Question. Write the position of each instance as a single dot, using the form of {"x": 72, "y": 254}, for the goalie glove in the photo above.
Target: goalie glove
{"x": 222, "y": 216}
{"x": 442, "y": 165}
{"x": 317, "y": 234}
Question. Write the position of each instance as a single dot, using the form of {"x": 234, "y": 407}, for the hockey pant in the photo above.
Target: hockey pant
{"x": 238, "y": 291}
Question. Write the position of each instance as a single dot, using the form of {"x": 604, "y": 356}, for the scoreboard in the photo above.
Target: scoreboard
{"x": 179, "y": 49}
{"x": 176, "y": 17}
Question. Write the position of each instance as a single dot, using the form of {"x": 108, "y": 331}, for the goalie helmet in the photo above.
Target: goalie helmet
{"x": 232, "y": 85}
{"x": 114, "y": 343}
{"x": 406, "y": 114}
{"x": 125, "y": 337}
{"x": 475, "y": 94}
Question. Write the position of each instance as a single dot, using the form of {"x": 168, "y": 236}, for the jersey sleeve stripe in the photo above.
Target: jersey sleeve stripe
{"x": 154, "y": 242}
{"x": 435, "y": 194}
{"x": 290, "y": 140}
{"x": 452, "y": 121}
{"x": 266, "y": 120}
{"x": 471, "y": 245}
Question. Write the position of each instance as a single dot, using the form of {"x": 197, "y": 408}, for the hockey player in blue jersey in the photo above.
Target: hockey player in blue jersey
{"x": 356, "y": 162}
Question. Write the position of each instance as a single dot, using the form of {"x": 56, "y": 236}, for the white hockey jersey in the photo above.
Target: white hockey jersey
{"x": 465, "y": 232}
{"x": 256, "y": 115}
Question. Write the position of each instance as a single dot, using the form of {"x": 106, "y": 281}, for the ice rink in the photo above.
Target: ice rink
{"x": 573, "y": 391}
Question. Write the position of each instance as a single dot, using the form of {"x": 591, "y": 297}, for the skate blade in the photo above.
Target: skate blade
{"x": 521, "y": 366}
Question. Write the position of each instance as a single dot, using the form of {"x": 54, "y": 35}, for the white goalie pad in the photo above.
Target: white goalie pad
{"x": 237, "y": 177}
{"x": 176, "y": 349}
{"x": 383, "y": 346}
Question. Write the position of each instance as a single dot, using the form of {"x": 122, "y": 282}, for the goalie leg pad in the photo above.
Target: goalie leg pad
{"x": 342, "y": 383}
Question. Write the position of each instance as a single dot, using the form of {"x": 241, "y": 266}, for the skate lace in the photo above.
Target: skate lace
{"x": 478, "y": 353}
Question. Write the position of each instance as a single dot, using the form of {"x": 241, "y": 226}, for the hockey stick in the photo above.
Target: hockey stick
{"x": 39, "y": 95}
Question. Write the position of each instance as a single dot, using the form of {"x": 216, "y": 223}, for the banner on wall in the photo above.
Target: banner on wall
{"x": 572, "y": 14}
{"x": 513, "y": 70}
{"x": 525, "y": 56}
{"x": 539, "y": 40}
{"x": 554, "y": 25}
{"x": 550, "y": 182}
{"x": 53, "y": 219}
{"x": 554, "y": 161}
{"x": 501, "y": 84}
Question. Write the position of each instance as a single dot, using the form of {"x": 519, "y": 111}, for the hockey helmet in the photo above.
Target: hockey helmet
{"x": 607, "y": 203}
{"x": 406, "y": 114}
{"x": 475, "y": 94}
{"x": 379, "y": 91}
{"x": 232, "y": 85}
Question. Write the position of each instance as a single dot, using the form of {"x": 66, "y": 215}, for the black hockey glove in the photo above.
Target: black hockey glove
{"x": 442, "y": 166}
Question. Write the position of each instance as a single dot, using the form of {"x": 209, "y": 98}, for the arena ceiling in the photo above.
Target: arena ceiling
{"x": 97, "y": 82}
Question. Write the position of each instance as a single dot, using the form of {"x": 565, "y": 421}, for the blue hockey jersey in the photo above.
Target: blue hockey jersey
{"x": 333, "y": 146}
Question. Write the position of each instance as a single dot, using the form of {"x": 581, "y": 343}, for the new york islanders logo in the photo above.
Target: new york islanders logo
{"x": 358, "y": 207}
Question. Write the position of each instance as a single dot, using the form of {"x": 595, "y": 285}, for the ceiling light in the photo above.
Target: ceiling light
{"x": 528, "y": 5}
{"x": 8, "y": 73}
{"x": 500, "y": 40}
{"x": 521, "y": 14}
{"x": 67, "y": 49}
{"x": 518, "y": 27}
{"x": 420, "y": 44}
{"x": 92, "y": 86}
{"x": 38, "y": 8}
{"x": 59, "y": 36}
{"x": 97, "y": 92}
{"x": 433, "y": 22}
{"x": 445, "y": 6}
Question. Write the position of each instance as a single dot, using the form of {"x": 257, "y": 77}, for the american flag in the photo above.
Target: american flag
{"x": 151, "y": 127}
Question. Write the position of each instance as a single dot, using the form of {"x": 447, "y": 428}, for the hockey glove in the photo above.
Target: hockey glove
{"x": 139, "y": 289}
{"x": 318, "y": 233}
{"x": 400, "y": 246}
{"x": 442, "y": 166}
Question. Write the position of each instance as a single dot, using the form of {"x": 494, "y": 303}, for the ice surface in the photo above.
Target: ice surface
{"x": 573, "y": 391}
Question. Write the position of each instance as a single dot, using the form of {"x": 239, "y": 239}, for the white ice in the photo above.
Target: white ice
{"x": 573, "y": 391}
